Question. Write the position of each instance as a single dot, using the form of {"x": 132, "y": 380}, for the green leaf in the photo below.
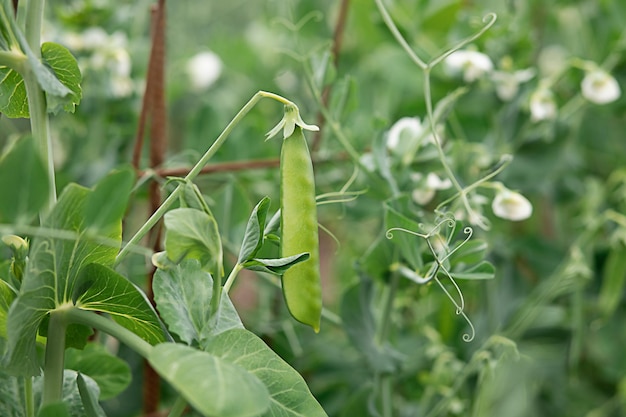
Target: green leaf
{"x": 290, "y": 396}
{"x": 99, "y": 288}
{"x": 276, "y": 266}
{"x": 358, "y": 322}
{"x": 183, "y": 297}
{"x": 111, "y": 373}
{"x": 253, "y": 238}
{"x": 613, "y": 278}
{"x": 107, "y": 203}
{"x": 482, "y": 270}
{"x": 71, "y": 395}
{"x": 66, "y": 70}
{"x": 213, "y": 386}
{"x": 89, "y": 398}
{"x": 54, "y": 266}
{"x": 193, "y": 234}
{"x": 13, "y": 99}
{"x": 21, "y": 200}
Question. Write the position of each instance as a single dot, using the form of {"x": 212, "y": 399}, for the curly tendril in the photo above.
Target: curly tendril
{"x": 438, "y": 265}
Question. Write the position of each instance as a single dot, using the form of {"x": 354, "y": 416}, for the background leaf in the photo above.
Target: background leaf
{"x": 482, "y": 270}
{"x": 19, "y": 203}
{"x": 71, "y": 396}
{"x": 613, "y": 279}
{"x": 213, "y": 386}
{"x": 183, "y": 297}
{"x": 276, "y": 266}
{"x": 111, "y": 373}
{"x": 290, "y": 396}
{"x": 106, "y": 204}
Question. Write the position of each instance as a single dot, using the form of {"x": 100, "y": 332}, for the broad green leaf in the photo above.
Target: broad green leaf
{"x": 107, "y": 203}
{"x": 290, "y": 396}
{"x": 89, "y": 398}
{"x": 53, "y": 268}
{"x": 193, "y": 234}
{"x": 10, "y": 396}
{"x": 66, "y": 70}
{"x": 183, "y": 297}
{"x": 276, "y": 266}
{"x": 358, "y": 322}
{"x": 613, "y": 279}
{"x": 21, "y": 200}
{"x": 13, "y": 99}
{"x": 111, "y": 373}
{"x": 482, "y": 270}
{"x": 213, "y": 386}
{"x": 99, "y": 288}
{"x": 253, "y": 238}
{"x": 71, "y": 394}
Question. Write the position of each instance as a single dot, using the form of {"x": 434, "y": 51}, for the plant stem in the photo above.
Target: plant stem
{"x": 193, "y": 173}
{"x": 54, "y": 359}
{"x": 231, "y": 277}
{"x": 178, "y": 408}
{"x": 34, "y": 17}
{"x": 41, "y": 132}
{"x": 110, "y": 327}
{"x": 385, "y": 322}
{"x": 29, "y": 403}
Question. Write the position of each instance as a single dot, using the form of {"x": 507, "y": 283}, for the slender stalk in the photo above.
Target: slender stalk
{"x": 193, "y": 173}
{"x": 231, "y": 277}
{"x": 178, "y": 408}
{"x": 385, "y": 322}
{"x": 40, "y": 128}
{"x": 34, "y": 17}
{"x": 108, "y": 326}
{"x": 29, "y": 401}
{"x": 54, "y": 359}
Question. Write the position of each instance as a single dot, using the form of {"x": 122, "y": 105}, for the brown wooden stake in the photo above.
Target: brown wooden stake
{"x": 154, "y": 109}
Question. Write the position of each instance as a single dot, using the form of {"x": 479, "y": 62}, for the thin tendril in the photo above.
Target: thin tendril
{"x": 467, "y": 337}
{"x": 469, "y": 232}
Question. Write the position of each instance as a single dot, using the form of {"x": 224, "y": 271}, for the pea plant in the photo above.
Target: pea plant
{"x": 369, "y": 236}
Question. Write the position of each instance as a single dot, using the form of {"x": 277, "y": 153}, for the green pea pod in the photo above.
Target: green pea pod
{"x": 301, "y": 282}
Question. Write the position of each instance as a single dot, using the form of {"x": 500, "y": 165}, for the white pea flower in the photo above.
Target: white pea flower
{"x": 511, "y": 205}
{"x": 204, "y": 69}
{"x": 552, "y": 60}
{"x": 600, "y": 87}
{"x": 507, "y": 83}
{"x": 95, "y": 38}
{"x": 472, "y": 64}
{"x": 406, "y": 129}
{"x": 542, "y": 105}
{"x": 288, "y": 123}
{"x": 427, "y": 187}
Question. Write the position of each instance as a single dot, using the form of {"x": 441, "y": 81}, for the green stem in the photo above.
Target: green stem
{"x": 40, "y": 129}
{"x": 178, "y": 408}
{"x": 385, "y": 395}
{"x": 54, "y": 358}
{"x": 34, "y": 17}
{"x": 193, "y": 173}
{"x": 231, "y": 277}
{"x": 29, "y": 402}
{"x": 385, "y": 322}
{"x": 110, "y": 327}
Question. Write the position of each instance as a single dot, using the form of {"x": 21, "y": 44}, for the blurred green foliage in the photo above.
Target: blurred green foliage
{"x": 549, "y": 328}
